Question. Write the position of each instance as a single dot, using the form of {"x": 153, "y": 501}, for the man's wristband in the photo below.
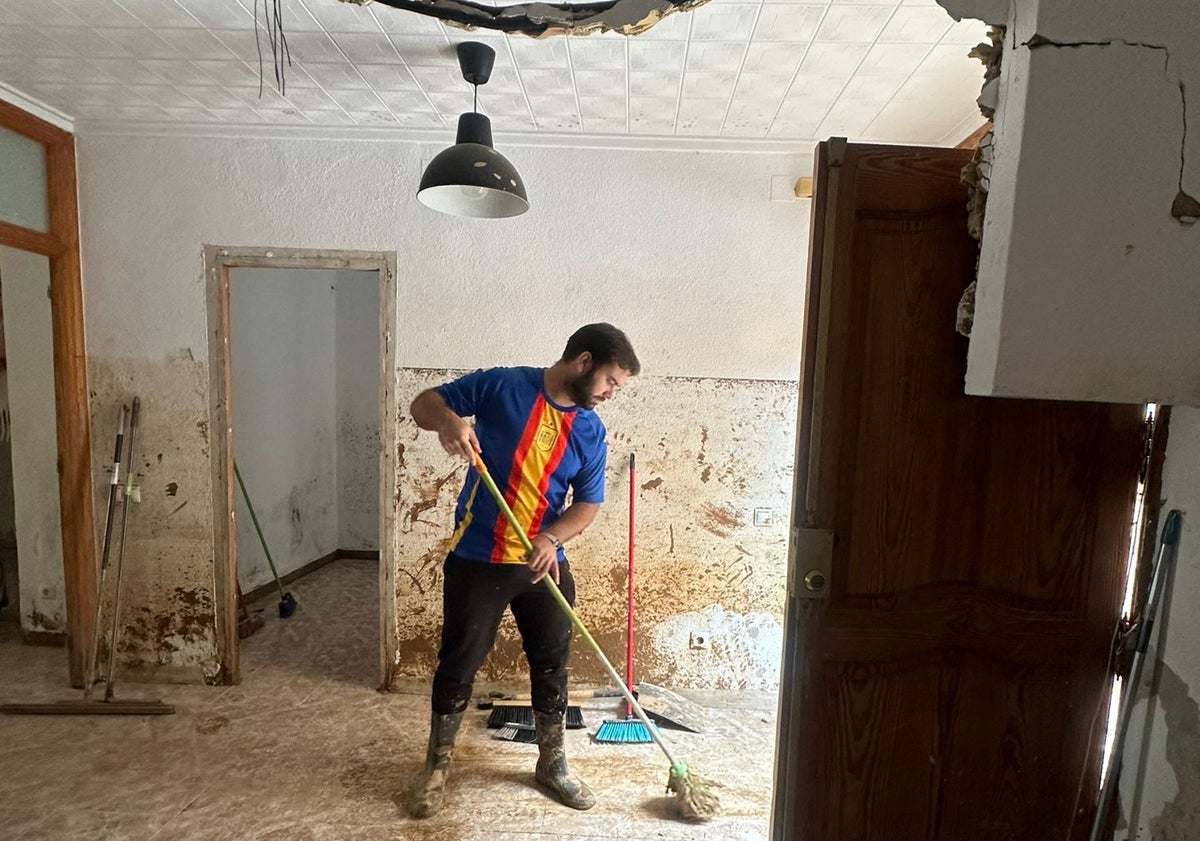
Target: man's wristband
{"x": 554, "y": 541}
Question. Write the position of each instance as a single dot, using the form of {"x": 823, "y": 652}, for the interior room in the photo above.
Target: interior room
{"x": 896, "y": 505}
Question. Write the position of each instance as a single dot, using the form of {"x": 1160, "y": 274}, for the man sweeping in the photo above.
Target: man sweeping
{"x": 537, "y": 432}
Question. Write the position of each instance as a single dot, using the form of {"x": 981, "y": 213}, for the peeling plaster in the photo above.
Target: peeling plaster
{"x": 540, "y": 20}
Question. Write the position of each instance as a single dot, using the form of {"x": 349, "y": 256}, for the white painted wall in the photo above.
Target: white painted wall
{"x": 1087, "y": 286}
{"x": 684, "y": 250}
{"x": 24, "y": 284}
{"x": 1160, "y": 788}
{"x": 8, "y": 523}
{"x": 357, "y": 363}
{"x": 284, "y": 417}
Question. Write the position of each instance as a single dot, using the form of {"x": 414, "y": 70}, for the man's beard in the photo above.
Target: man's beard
{"x": 580, "y": 389}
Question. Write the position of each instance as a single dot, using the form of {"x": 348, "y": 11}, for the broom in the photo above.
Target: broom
{"x": 694, "y": 794}
{"x": 629, "y": 730}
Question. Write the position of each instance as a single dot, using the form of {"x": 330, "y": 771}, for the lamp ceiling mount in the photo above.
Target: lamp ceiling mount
{"x": 476, "y": 61}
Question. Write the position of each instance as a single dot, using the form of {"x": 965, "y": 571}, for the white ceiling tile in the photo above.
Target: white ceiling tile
{"x": 968, "y": 32}
{"x": 357, "y": 101}
{"x": 440, "y": 78}
{"x": 860, "y": 24}
{"x": 777, "y": 59}
{"x": 42, "y": 13}
{"x": 503, "y": 79}
{"x": 193, "y": 43}
{"x": 951, "y": 60}
{"x": 893, "y": 60}
{"x": 403, "y": 22}
{"x": 405, "y": 101}
{"x": 96, "y": 13}
{"x": 431, "y": 51}
{"x": 309, "y": 47}
{"x": 547, "y": 82}
{"x": 160, "y": 13}
{"x": 706, "y": 85}
{"x": 590, "y": 54}
{"x": 671, "y": 28}
{"x": 236, "y": 115}
{"x": 188, "y": 114}
{"x": 656, "y": 55}
{"x": 223, "y": 14}
{"x": 236, "y": 73}
{"x": 161, "y": 95}
{"x": 210, "y": 96}
{"x": 139, "y": 114}
{"x": 504, "y": 105}
{"x": 331, "y": 118}
{"x": 49, "y": 43}
{"x": 296, "y": 18}
{"x": 600, "y": 82}
{"x": 553, "y": 105}
{"x": 366, "y": 47}
{"x": 763, "y": 87}
{"x": 651, "y": 83}
{"x": 388, "y": 77}
{"x": 285, "y": 117}
{"x": 310, "y": 99}
{"x": 603, "y": 107}
{"x": 647, "y": 114}
{"x": 141, "y": 42}
{"x": 724, "y": 21}
{"x": 342, "y": 17}
{"x": 917, "y": 25}
{"x": 539, "y": 53}
{"x": 425, "y": 120}
{"x": 52, "y": 70}
{"x": 334, "y": 75}
{"x": 788, "y": 22}
{"x": 701, "y": 116}
{"x": 178, "y": 72}
{"x": 449, "y": 103}
{"x": 374, "y": 118}
{"x": 848, "y": 118}
{"x": 716, "y": 56}
{"x": 605, "y": 124}
{"x": 831, "y": 61}
{"x": 91, "y": 43}
{"x": 245, "y": 45}
{"x": 120, "y": 70}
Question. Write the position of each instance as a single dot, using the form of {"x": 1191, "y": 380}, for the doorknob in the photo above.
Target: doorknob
{"x": 810, "y": 561}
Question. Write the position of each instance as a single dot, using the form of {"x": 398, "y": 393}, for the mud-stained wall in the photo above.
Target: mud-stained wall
{"x": 167, "y": 627}
{"x": 710, "y": 452}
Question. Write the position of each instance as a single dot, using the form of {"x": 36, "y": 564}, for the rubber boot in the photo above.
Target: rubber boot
{"x": 552, "y": 774}
{"x": 431, "y": 788}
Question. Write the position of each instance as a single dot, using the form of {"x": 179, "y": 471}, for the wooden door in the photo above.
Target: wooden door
{"x": 952, "y": 685}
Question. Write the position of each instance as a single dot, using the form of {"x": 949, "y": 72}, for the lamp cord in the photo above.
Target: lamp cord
{"x": 475, "y": 104}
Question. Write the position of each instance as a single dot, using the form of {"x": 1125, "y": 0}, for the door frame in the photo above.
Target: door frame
{"x": 218, "y": 261}
{"x": 72, "y": 405}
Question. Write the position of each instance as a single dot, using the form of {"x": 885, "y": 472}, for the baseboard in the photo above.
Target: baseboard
{"x": 312, "y": 566}
{"x": 51, "y": 638}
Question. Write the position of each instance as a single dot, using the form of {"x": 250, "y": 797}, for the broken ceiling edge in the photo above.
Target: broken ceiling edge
{"x": 542, "y": 20}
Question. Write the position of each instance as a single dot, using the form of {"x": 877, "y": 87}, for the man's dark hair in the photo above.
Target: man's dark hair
{"x": 606, "y": 344}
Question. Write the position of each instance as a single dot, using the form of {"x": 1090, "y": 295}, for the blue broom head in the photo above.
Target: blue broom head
{"x": 287, "y": 606}
{"x": 629, "y": 731}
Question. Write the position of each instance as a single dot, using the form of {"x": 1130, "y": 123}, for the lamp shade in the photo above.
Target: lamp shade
{"x": 471, "y": 178}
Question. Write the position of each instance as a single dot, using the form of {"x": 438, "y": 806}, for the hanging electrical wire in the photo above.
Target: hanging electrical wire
{"x": 281, "y": 56}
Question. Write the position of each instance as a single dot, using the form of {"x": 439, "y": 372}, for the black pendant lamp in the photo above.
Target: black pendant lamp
{"x": 471, "y": 178}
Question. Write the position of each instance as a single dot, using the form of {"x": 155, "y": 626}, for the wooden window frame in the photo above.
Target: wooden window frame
{"x": 73, "y": 422}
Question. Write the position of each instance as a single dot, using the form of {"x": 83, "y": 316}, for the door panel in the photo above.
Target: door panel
{"x": 953, "y": 684}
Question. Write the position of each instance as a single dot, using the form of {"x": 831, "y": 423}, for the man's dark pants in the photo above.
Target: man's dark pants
{"x": 474, "y": 597}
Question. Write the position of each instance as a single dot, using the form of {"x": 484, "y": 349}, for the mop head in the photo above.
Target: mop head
{"x": 694, "y": 795}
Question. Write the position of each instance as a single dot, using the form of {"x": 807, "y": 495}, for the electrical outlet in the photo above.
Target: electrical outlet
{"x": 763, "y": 516}
{"x": 698, "y": 641}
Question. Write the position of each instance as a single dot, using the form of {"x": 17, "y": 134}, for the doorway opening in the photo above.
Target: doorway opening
{"x": 301, "y": 360}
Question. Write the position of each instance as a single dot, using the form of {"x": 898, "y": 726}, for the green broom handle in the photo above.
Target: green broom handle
{"x": 254, "y": 518}
{"x": 677, "y": 767}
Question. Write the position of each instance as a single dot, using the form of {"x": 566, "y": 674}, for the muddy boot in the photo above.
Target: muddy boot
{"x": 552, "y": 774}
{"x": 431, "y": 788}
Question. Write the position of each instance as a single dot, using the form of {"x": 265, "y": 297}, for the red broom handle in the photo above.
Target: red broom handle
{"x": 629, "y": 628}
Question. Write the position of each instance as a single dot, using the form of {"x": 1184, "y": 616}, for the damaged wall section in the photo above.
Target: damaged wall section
{"x": 1087, "y": 273}
{"x": 710, "y": 451}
